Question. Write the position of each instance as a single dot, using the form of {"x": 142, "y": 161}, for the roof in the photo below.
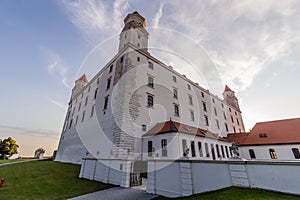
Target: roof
{"x": 227, "y": 89}
{"x": 285, "y": 131}
{"x": 83, "y": 78}
{"x": 174, "y": 127}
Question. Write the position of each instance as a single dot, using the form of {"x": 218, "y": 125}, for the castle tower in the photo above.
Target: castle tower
{"x": 79, "y": 85}
{"x": 134, "y": 32}
{"x": 230, "y": 98}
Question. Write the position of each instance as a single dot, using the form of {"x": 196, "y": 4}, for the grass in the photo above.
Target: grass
{"x": 45, "y": 180}
{"x": 13, "y": 160}
{"x": 238, "y": 193}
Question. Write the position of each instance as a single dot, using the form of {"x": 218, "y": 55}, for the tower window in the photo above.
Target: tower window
{"x": 144, "y": 127}
{"x": 217, "y": 124}
{"x": 224, "y": 115}
{"x": 204, "y": 106}
{"x": 213, "y": 100}
{"x": 215, "y": 110}
{"x": 79, "y": 106}
{"x": 92, "y": 111}
{"x": 176, "y": 110}
{"x": 237, "y": 121}
{"x": 272, "y": 154}
{"x": 234, "y": 129}
{"x": 231, "y": 119}
{"x": 71, "y": 123}
{"x": 108, "y": 83}
{"x": 111, "y": 68}
{"x": 202, "y": 94}
{"x": 175, "y": 93}
{"x": 83, "y": 114}
{"x": 174, "y": 79}
{"x": 138, "y": 59}
{"x": 229, "y": 109}
{"x": 190, "y": 100}
{"x": 189, "y": 86}
{"x": 95, "y": 94}
{"x": 105, "y": 103}
{"x": 150, "y": 82}
{"x": 226, "y": 127}
{"x": 206, "y": 120}
{"x": 76, "y": 120}
{"x": 192, "y": 115}
{"x": 150, "y": 101}
{"x": 150, "y": 65}
{"x": 86, "y": 101}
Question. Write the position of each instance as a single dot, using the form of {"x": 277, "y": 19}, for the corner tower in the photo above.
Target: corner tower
{"x": 134, "y": 32}
{"x": 230, "y": 98}
{"x": 79, "y": 85}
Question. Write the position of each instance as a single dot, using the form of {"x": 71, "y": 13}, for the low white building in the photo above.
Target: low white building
{"x": 272, "y": 140}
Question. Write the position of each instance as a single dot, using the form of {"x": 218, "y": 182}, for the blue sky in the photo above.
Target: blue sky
{"x": 255, "y": 46}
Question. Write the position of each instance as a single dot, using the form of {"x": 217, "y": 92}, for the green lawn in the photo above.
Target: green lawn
{"x": 13, "y": 160}
{"x": 45, "y": 180}
{"x": 234, "y": 193}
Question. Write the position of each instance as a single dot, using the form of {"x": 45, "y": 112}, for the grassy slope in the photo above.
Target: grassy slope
{"x": 239, "y": 193}
{"x": 13, "y": 160}
{"x": 45, "y": 180}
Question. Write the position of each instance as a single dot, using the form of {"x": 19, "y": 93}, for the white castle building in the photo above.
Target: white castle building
{"x": 119, "y": 113}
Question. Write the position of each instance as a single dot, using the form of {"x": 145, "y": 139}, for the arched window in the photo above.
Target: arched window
{"x": 272, "y": 153}
{"x": 252, "y": 154}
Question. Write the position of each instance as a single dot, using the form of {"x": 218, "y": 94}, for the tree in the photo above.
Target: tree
{"x": 39, "y": 153}
{"x": 8, "y": 147}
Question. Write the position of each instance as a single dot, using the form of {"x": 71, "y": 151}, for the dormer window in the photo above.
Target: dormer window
{"x": 263, "y": 135}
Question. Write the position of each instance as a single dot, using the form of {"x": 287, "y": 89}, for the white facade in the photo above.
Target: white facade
{"x": 114, "y": 127}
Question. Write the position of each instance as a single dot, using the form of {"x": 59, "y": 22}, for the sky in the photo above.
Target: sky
{"x": 254, "y": 45}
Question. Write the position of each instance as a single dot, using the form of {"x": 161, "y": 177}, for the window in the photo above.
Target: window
{"x": 263, "y": 135}
{"x": 218, "y": 151}
{"x": 213, "y": 151}
{"x": 105, "y": 103}
{"x": 138, "y": 59}
{"x": 200, "y": 149}
{"x": 189, "y": 86}
{"x": 234, "y": 129}
{"x": 138, "y": 45}
{"x": 296, "y": 153}
{"x": 164, "y": 151}
{"x": 95, "y": 94}
{"x": 73, "y": 111}
{"x": 98, "y": 80}
{"x": 192, "y": 115}
{"x": 83, "y": 114}
{"x": 92, "y": 111}
{"x": 226, "y": 127}
{"x": 235, "y": 112}
{"x": 206, "y": 120}
{"x": 175, "y": 93}
{"x": 108, "y": 83}
{"x": 204, "y": 106}
{"x": 176, "y": 110}
{"x": 213, "y": 100}
{"x": 82, "y": 95}
{"x": 231, "y": 119}
{"x": 217, "y": 124}
{"x": 215, "y": 111}
{"x": 229, "y": 109}
{"x": 222, "y": 105}
{"x": 206, "y": 150}
{"x": 150, "y": 148}
{"x": 111, "y": 68}
{"x": 272, "y": 154}
{"x": 226, "y": 149}
{"x": 193, "y": 149}
{"x": 89, "y": 89}
{"x": 237, "y": 121}
{"x": 86, "y": 101}
{"x": 70, "y": 125}
{"x": 76, "y": 120}
{"x": 184, "y": 148}
{"x": 222, "y": 150}
{"x": 144, "y": 127}
{"x": 121, "y": 59}
{"x": 79, "y": 106}
{"x": 150, "y": 65}
{"x": 190, "y": 100}
{"x": 150, "y": 82}
{"x": 224, "y": 115}
{"x": 150, "y": 101}
{"x": 174, "y": 79}
{"x": 202, "y": 94}
{"x": 252, "y": 154}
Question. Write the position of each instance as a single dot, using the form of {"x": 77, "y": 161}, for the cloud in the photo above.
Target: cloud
{"x": 58, "y": 104}
{"x": 157, "y": 16}
{"x": 30, "y": 131}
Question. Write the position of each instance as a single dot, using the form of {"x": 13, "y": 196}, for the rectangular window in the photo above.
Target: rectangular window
{"x": 174, "y": 79}
{"x": 193, "y": 149}
{"x": 144, "y": 127}
{"x": 76, "y": 120}
{"x": 190, "y": 100}
{"x": 222, "y": 105}
{"x": 164, "y": 151}
{"x": 234, "y": 129}
{"x": 206, "y": 120}
{"x": 150, "y": 101}
{"x": 206, "y": 150}
{"x": 215, "y": 111}
{"x": 95, "y": 94}
{"x": 86, "y": 101}
{"x": 89, "y": 89}
{"x": 252, "y": 154}
{"x": 192, "y": 115}
{"x": 111, "y": 68}
{"x": 150, "y": 82}
{"x": 189, "y": 86}
{"x": 229, "y": 109}
{"x": 150, "y": 65}
{"x": 105, "y": 103}
{"x": 272, "y": 154}
{"x": 224, "y": 115}
{"x": 73, "y": 111}
{"x": 226, "y": 127}
{"x": 185, "y": 148}
{"x": 296, "y": 153}
{"x": 202, "y": 94}
{"x": 175, "y": 93}
{"x": 98, "y": 80}
{"x": 213, "y": 151}
{"x": 204, "y": 106}
{"x": 108, "y": 83}
{"x": 200, "y": 149}
{"x": 82, "y": 95}
{"x": 122, "y": 58}
{"x": 70, "y": 125}
{"x": 150, "y": 148}
{"x": 176, "y": 110}
{"x": 231, "y": 119}
{"x": 92, "y": 111}
{"x": 79, "y": 106}
{"x": 217, "y": 124}
{"x": 222, "y": 150}
{"x": 138, "y": 59}
{"x": 213, "y": 100}
{"x": 237, "y": 121}
{"x": 226, "y": 149}
{"x": 83, "y": 114}
{"x": 218, "y": 151}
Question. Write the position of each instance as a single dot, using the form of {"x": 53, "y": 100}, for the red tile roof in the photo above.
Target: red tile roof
{"x": 227, "y": 88}
{"x": 285, "y": 131}
{"x": 174, "y": 127}
{"x": 83, "y": 78}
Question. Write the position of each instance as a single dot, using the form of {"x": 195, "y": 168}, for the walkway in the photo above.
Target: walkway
{"x": 10, "y": 163}
{"x": 117, "y": 193}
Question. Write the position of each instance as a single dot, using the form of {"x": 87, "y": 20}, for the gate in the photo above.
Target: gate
{"x": 135, "y": 179}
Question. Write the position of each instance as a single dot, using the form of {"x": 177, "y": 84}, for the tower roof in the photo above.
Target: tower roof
{"x": 83, "y": 78}
{"x": 134, "y": 21}
{"x": 227, "y": 89}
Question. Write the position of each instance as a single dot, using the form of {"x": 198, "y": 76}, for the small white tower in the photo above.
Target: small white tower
{"x": 79, "y": 85}
{"x": 134, "y": 32}
{"x": 230, "y": 98}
